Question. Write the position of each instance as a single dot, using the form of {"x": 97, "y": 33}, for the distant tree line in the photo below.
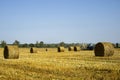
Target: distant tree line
{"x": 41, "y": 44}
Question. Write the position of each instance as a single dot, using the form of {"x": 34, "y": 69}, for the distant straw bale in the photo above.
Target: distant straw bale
{"x": 71, "y": 48}
{"x": 104, "y": 49}
{"x": 33, "y": 50}
{"x": 46, "y": 49}
{"x": 11, "y": 52}
{"x": 76, "y": 48}
{"x": 61, "y": 49}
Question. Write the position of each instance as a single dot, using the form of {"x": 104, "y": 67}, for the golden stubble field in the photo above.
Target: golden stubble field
{"x": 51, "y": 65}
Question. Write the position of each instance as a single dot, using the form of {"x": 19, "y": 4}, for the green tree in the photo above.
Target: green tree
{"x": 16, "y": 42}
{"x": 117, "y": 45}
{"x": 41, "y": 44}
{"x": 3, "y": 43}
{"x": 37, "y": 44}
{"x": 31, "y": 45}
{"x": 62, "y": 44}
{"x": 25, "y": 45}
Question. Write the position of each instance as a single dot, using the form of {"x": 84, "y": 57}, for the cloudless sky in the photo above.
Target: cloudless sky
{"x": 54, "y": 21}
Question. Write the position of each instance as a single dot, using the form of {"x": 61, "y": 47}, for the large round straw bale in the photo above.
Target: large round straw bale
{"x": 71, "y": 48}
{"x": 104, "y": 49}
{"x": 11, "y": 52}
{"x": 33, "y": 50}
{"x": 61, "y": 49}
{"x": 76, "y": 48}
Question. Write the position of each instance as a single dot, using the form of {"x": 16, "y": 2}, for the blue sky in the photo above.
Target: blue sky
{"x": 54, "y": 21}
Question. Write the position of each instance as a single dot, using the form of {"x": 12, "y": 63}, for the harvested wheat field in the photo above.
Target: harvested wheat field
{"x": 52, "y": 65}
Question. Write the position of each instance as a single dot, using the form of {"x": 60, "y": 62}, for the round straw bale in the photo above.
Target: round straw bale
{"x": 76, "y": 48}
{"x": 60, "y": 49}
{"x": 104, "y": 49}
{"x": 46, "y": 49}
{"x": 11, "y": 52}
{"x": 33, "y": 50}
{"x": 71, "y": 48}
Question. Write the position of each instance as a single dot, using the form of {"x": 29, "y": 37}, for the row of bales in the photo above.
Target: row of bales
{"x": 71, "y": 48}
{"x": 101, "y": 49}
{"x": 59, "y": 49}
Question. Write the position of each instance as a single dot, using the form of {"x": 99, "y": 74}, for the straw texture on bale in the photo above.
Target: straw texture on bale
{"x": 33, "y": 50}
{"x": 71, "y": 48}
{"x": 11, "y": 52}
{"x": 76, "y": 48}
{"x": 104, "y": 49}
{"x": 61, "y": 49}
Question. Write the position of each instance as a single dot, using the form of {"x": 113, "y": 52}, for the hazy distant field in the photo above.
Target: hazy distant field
{"x": 51, "y": 65}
